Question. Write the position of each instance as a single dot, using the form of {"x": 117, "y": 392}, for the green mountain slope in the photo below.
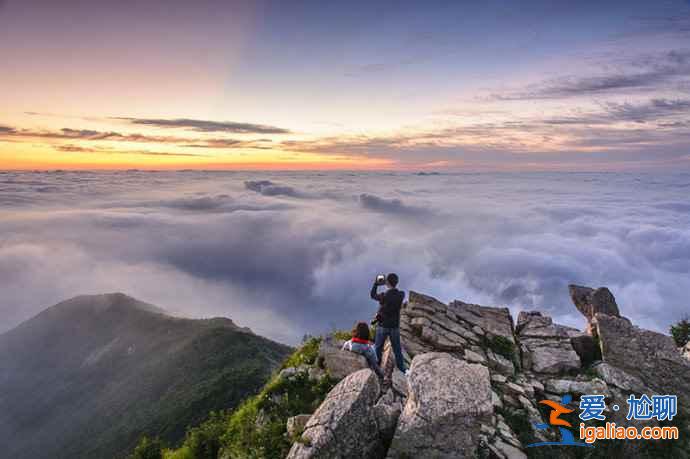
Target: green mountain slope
{"x": 87, "y": 377}
{"x": 257, "y": 428}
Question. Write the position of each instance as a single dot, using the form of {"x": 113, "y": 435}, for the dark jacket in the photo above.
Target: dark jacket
{"x": 391, "y": 302}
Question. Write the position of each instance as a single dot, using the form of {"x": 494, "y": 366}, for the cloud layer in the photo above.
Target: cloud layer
{"x": 294, "y": 253}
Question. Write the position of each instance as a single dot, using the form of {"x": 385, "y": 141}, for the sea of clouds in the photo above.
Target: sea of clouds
{"x": 294, "y": 253}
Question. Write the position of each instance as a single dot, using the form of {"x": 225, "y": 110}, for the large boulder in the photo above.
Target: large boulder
{"x": 428, "y": 325}
{"x": 650, "y": 357}
{"x": 619, "y": 378}
{"x": 345, "y": 425}
{"x": 576, "y": 386}
{"x": 491, "y": 320}
{"x": 547, "y": 347}
{"x": 591, "y": 301}
{"x": 448, "y": 400}
{"x": 337, "y": 362}
{"x": 586, "y": 348}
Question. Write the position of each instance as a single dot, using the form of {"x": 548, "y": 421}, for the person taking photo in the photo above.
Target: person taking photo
{"x": 388, "y": 317}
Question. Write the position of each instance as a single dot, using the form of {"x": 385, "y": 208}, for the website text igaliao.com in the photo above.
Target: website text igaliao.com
{"x": 610, "y": 431}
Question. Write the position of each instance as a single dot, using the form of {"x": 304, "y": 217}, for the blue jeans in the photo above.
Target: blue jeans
{"x": 394, "y": 335}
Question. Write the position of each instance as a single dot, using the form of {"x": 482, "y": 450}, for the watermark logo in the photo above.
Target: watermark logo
{"x": 557, "y": 409}
{"x": 592, "y": 407}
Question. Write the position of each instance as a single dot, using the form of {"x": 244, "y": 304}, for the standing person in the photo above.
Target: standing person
{"x": 388, "y": 317}
{"x": 360, "y": 344}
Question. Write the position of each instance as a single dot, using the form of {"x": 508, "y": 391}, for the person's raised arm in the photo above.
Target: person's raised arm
{"x": 375, "y": 295}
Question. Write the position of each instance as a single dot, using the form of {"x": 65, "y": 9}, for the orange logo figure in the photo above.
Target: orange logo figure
{"x": 556, "y": 410}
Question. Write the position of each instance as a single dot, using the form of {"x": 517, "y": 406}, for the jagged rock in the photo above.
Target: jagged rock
{"x": 337, "y": 362}
{"x": 448, "y": 400}
{"x": 586, "y": 348}
{"x": 575, "y": 386}
{"x": 619, "y": 378}
{"x": 547, "y": 347}
{"x": 491, "y": 321}
{"x": 496, "y": 400}
{"x": 295, "y": 424}
{"x": 474, "y": 357}
{"x": 399, "y": 383}
{"x": 537, "y": 385}
{"x": 428, "y": 325}
{"x": 513, "y": 389}
{"x": 345, "y": 424}
{"x": 526, "y": 386}
{"x": 525, "y": 357}
{"x": 510, "y": 400}
{"x": 504, "y": 450}
{"x": 386, "y": 414}
{"x": 553, "y": 357}
{"x": 650, "y": 356}
{"x": 498, "y": 378}
{"x": 590, "y": 302}
{"x": 685, "y": 350}
{"x": 500, "y": 363}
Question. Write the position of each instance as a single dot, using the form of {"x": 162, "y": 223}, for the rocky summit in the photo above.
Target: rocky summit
{"x": 476, "y": 379}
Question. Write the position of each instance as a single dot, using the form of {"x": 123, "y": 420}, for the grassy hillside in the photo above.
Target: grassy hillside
{"x": 87, "y": 377}
{"x": 257, "y": 428}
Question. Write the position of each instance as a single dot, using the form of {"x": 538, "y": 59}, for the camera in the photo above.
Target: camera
{"x": 380, "y": 279}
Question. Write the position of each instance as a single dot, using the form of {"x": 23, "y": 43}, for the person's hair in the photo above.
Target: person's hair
{"x": 361, "y": 331}
{"x": 392, "y": 279}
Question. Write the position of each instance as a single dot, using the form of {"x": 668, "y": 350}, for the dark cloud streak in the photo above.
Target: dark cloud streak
{"x": 207, "y": 126}
{"x": 646, "y": 73}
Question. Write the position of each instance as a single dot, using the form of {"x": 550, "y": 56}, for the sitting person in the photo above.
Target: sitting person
{"x": 361, "y": 344}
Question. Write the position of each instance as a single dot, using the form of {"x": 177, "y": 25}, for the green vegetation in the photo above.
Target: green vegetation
{"x": 111, "y": 374}
{"x": 518, "y": 422}
{"x": 305, "y": 355}
{"x": 681, "y": 332}
{"x": 257, "y": 428}
{"x": 502, "y": 346}
{"x": 148, "y": 449}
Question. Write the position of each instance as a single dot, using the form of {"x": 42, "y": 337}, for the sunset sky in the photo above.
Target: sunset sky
{"x": 495, "y": 85}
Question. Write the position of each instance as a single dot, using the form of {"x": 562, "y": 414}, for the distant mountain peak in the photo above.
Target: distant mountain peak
{"x": 88, "y": 376}
{"x": 105, "y": 301}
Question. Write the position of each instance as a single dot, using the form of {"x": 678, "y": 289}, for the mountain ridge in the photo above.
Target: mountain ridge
{"x": 476, "y": 384}
{"x": 87, "y": 376}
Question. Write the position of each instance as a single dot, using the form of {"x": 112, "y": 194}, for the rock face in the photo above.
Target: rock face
{"x": 448, "y": 400}
{"x": 685, "y": 350}
{"x": 337, "y": 362}
{"x": 618, "y": 378}
{"x": 649, "y": 356}
{"x": 345, "y": 424}
{"x": 591, "y": 301}
{"x": 586, "y": 348}
{"x": 476, "y": 379}
{"x": 547, "y": 347}
{"x": 461, "y": 329}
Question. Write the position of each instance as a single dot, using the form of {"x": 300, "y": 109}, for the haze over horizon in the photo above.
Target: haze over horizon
{"x": 492, "y": 86}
